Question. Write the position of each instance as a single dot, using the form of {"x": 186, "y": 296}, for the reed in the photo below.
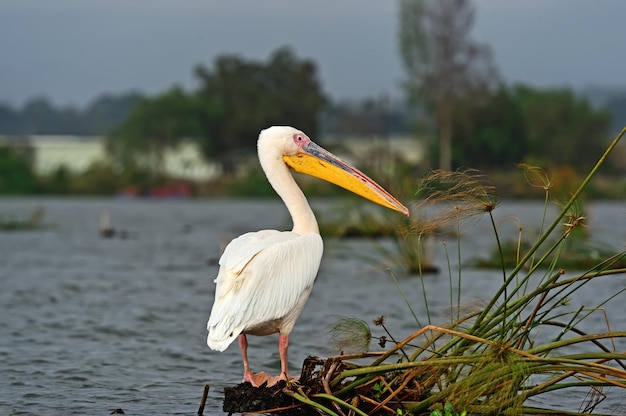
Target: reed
{"x": 525, "y": 342}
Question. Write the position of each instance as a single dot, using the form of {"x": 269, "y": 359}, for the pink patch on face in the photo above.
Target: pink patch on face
{"x": 301, "y": 140}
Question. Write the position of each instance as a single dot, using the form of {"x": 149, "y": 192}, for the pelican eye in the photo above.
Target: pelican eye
{"x": 300, "y": 140}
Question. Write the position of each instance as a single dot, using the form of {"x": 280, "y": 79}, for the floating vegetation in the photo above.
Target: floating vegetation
{"x": 407, "y": 249}
{"x": 353, "y": 222}
{"x": 15, "y": 223}
{"x": 577, "y": 255}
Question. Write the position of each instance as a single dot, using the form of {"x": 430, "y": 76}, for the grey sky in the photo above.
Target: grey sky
{"x": 73, "y": 50}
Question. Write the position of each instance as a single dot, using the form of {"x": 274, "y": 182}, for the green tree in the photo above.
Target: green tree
{"x": 59, "y": 181}
{"x": 107, "y": 111}
{"x": 562, "y": 128}
{"x": 241, "y": 97}
{"x": 37, "y": 117}
{"x": 490, "y": 133}
{"x": 443, "y": 64}
{"x": 40, "y": 116}
{"x": 153, "y": 126}
{"x": 9, "y": 119}
{"x": 547, "y": 127}
{"x": 616, "y": 105}
{"x": 368, "y": 117}
{"x": 16, "y": 173}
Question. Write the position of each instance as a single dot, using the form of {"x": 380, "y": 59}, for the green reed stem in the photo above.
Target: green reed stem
{"x": 547, "y": 233}
{"x": 340, "y": 403}
{"x": 302, "y": 398}
{"x": 543, "y": 220}
{"x": 406, "y": 301}
{"x": 421, "y": 277}
{"x": 458, "y": 279}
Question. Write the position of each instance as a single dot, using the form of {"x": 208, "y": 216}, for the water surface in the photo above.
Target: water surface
{"x": 91, "y": 324}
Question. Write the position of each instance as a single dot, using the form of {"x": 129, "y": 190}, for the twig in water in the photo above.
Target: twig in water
{"x": 205, "y": 393}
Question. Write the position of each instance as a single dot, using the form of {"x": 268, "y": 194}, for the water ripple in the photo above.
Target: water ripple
{"x": 92, "y": 325}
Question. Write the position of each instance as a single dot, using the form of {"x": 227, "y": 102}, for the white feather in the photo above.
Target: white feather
{"x": 264, "y": 280}
{"x": 265, "y": 277}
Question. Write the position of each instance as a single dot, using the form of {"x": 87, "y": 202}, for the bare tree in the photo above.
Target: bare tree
{"x": 442, "y": 62}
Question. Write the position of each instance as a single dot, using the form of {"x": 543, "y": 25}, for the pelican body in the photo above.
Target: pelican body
{"x": 265, "y": 277}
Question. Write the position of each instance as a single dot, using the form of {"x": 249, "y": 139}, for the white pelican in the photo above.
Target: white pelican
{"x": 265, "y": 277}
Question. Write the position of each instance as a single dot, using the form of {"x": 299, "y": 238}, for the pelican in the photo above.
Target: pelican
{"x": 265, "y": 277}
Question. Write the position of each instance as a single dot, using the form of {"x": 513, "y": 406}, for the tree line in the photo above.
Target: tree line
{"x": 41, "y": 116}
{"x": 236, "y": 98}
{"x": 455, "y": 100}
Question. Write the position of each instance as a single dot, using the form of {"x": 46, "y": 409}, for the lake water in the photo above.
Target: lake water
{"x": 90, "y": 325}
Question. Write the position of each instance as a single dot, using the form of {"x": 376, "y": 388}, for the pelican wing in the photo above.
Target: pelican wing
{"x": 264, "y": 276}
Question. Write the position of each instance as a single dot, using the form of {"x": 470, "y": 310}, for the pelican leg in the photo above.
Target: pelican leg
{"x": 243, "y": 346}
{"x": 283, "y": 346}
{"x": 255, "y": 379}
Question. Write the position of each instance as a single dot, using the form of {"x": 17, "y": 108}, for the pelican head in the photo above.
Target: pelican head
{"x": 302, "y": 155}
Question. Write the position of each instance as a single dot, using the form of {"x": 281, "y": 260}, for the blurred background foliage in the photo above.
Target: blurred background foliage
{"x": 455, "y": 102}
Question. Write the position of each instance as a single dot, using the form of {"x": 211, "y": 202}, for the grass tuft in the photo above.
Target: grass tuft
{"x": 525, "y": 342}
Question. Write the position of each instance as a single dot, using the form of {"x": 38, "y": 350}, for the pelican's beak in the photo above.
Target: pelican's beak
{"x": 316, "y": 161}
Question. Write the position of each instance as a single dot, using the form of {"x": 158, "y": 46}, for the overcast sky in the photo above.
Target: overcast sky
{"x": 74, "y": 50}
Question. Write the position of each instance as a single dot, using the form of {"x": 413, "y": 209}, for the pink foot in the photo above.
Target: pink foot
{"x": 275, "y": 379}
{"x": 257, "y": 379}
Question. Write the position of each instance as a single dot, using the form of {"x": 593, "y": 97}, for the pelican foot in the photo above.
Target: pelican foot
{"x": 261, "y": 378}
{"x": 273, "y": 380}
{"x": 257, "y": 379}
